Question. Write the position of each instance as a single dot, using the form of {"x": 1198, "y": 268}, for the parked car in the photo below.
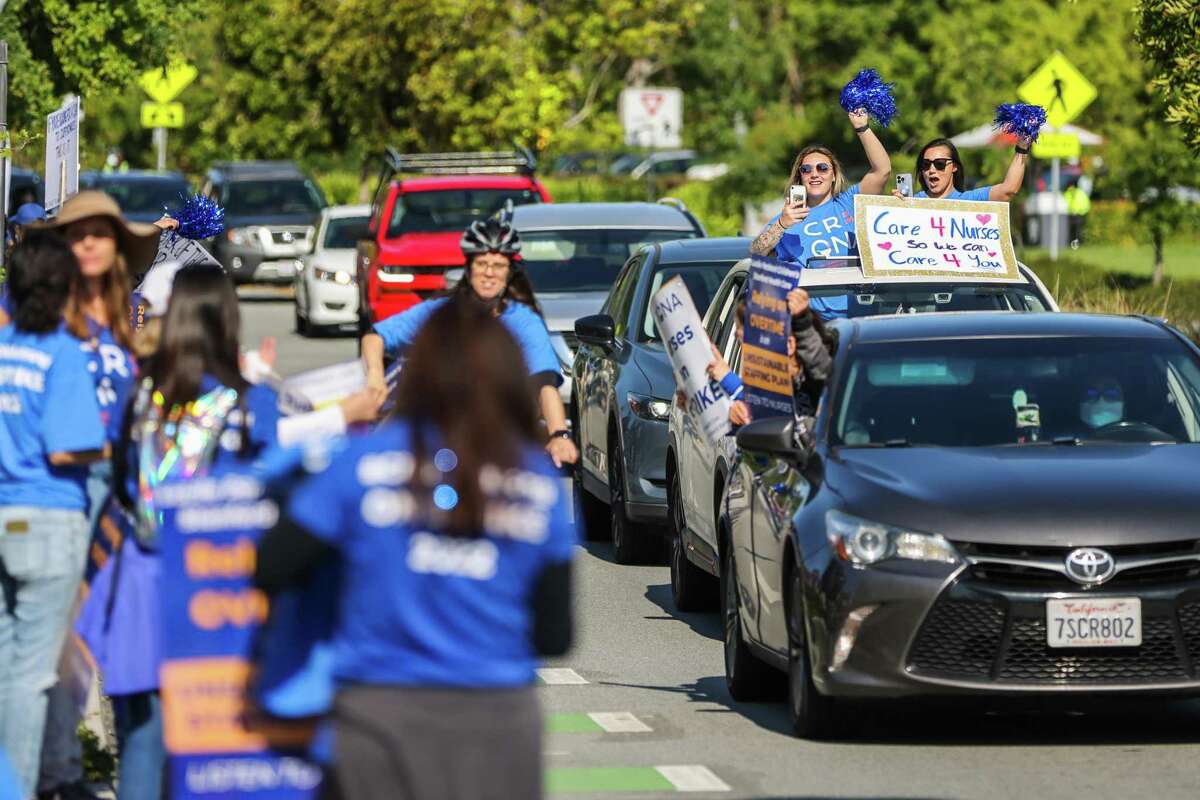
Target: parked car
{"x": 623, "y": 393}
{"x": 143, "y": 195}
{"x": 326, "y": 297}
{"x": 662, "y": 162}
{"x": 417, "y": 222}
{"x": 271, "y": 213}
{"x": 572, "y": 253}
{"x": 995, "y": 505}
{"x": 698, "y": 470}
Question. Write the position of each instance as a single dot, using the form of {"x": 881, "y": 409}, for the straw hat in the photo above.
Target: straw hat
{"x": 137, "y": 241}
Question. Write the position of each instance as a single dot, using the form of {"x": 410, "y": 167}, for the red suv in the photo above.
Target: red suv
{"x": 416, "y": 222}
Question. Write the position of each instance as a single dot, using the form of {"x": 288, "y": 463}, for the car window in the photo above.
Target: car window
{"x": 266, "y": 197}
{"x": 584, "y": 260}
{"x": 450, "y": 209}
{"x": 702, "y": 281}
{"x": 621, "y": 297}
{"x": 1005, "y": 391}
{"x": 912, "y": 298}
{"x": 344, "y": 232}
{"x": 145, "y": 197}
{"x": 729, "y": 319}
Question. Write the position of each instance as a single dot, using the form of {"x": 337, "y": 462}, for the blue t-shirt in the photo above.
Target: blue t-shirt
{"x": 262, "y": 421}
{"x": 419, "y": 608}
{"x": 115, "y": 372}
{"x": 827, "y": 232}
{"x": 526, "y": 326}
{"x": 47, "y": 405}
{"x": 978, "y": 193}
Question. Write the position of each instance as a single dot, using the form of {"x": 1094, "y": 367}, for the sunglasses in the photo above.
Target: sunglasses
{"x": 1111, "y": 394}
{"x": 939, "y": 164}
{"x": 823, "y": 167}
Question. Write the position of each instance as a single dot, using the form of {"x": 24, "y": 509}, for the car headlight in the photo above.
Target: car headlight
{"x": 334, "y": 276}
{"x": 651, "y": 408}
{"x": 861, "y": 541}
{"x": 244, "y": 237}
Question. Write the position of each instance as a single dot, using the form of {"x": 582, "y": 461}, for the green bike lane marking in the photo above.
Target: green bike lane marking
{"x": 667, "y": 778}
{"x": 596, "y": 722}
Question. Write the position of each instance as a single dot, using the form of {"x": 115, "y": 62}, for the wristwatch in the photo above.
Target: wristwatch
{"x": 1022, "y": 151}
{"x": 863, "y": 129}
{"x": 561, "y": 434}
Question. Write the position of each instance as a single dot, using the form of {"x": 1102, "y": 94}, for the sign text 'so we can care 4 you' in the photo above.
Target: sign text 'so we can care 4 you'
{"x": 922, "y": 238}
{"x": 690, "y": 350}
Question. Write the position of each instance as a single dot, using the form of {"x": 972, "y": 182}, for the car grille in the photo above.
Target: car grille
{"x": 984, "y": 639}
{"x": 1026, "y": 567}
{"x": 288, "y": 235}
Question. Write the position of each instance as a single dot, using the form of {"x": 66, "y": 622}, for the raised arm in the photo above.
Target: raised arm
{"x": 1003, "y": 192}
{"x": 880, "y": 163}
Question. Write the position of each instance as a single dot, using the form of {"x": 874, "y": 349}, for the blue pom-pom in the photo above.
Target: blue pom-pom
{"x": 868, "y": 91}
{"x": 1020, "y": 119}
{"x": 199, "y": 218}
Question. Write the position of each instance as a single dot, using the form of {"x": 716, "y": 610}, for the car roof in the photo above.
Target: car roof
{"x": 842, "y": 276}
{"x": 347, "y": 211}
{"x": 255, "y": 170}
{"x": 720, "y": 248}
{"x": 550, "y": 216}
{"x": 433, "y": 183}
{"x": 984, "y": 324}
{"x": 132, "y": 176}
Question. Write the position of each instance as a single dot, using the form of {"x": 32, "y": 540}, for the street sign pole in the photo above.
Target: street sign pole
{"x": 1054, "y": 198}
{"x": 160, "y": 139}
{"x": 5, "y": 157}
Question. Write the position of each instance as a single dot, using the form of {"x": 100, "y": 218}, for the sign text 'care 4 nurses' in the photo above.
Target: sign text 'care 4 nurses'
{"x": 768, "y": 324}
{"x": 921, "y": 239}
{"x": 690, "y": 351}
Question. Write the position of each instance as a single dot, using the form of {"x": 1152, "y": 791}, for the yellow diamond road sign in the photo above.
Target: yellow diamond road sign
{"x": 1059, "y": 88}
{"x": 163, "y": 86}
{"x": 162, "y": 115}
{"x": 1057, "y": 145}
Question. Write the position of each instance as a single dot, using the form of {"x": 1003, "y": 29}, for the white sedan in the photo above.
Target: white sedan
{"x": 326, "y": 297}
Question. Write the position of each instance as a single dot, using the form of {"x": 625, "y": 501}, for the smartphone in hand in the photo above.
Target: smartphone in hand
{"x": 797, "y": 194}
{"x": 904, "y": 183}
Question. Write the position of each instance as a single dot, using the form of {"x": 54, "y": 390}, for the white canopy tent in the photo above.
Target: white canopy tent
{"x": 987, "y": 136}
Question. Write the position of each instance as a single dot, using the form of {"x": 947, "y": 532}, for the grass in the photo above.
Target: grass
{"x": 1180, "y": 259}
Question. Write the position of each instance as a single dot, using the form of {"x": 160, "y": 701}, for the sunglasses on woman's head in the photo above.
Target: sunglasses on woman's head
{"x": 1111, "y": 394}
{"x": 939, "y": 164}
{"x": 823, "y": 167}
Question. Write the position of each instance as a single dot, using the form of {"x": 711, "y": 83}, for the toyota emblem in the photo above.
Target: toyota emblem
{"x": 286, "y": 236}
{"x": 1090, "y": 566}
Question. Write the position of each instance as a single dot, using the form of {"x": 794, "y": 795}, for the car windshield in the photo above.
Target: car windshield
{"x": 146, "y": 197}
{"x": 987, "y": 392}
{"x": 867, "y": 300}
{"x": 451, "y": 209}
{"x": 244, "y": 198}
{"x": 584, "y": 260}
{"x": 344, "y": 232}
{"x": 702, "y": 281}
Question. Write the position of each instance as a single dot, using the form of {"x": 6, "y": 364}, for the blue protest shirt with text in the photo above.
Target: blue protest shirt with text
{"x": 261, "y": 423}
{"x": 526, "y": 326}
{"x": 978, "y": 193}
{"x": 827, "y": 232}
{"x": 114, "y": 371}
{"x": 421, "y": 608}
{"x": 47, "y": 405}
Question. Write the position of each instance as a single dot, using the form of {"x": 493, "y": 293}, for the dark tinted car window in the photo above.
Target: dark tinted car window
{"x": 1007, "y": 391}
{"x": 344, "y": 232}
{"x": 583, "y": 260}
{"x": 266, "y": 197}
{"x": 702, "y": 281}
{"x": 451, "y": 209}
{"x": 618, "y": 302}
{"x": 145, "y": 196}
{"x": 914, "y": 298}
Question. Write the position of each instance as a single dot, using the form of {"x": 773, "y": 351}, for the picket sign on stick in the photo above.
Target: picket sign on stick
{"x": 920, "y": 239}
{"x": 690, "y": 351}
{"x": 768, "y": 325}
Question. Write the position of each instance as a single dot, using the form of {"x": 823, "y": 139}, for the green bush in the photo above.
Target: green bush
{"x": 341, "y": 187}
{"x": 594, "y": 188}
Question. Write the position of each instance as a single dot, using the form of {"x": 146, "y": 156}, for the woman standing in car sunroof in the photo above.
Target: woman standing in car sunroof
{"x": 941, "y": 173}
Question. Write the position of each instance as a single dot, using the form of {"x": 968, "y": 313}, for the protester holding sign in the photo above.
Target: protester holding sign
{"x": 50, "y": 430}
{"x": 455, "y": 543}
{"x": 941, "y": 173}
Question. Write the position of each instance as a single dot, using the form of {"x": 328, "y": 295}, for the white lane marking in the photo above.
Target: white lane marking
{"x": 560, "y": 676}
{"x": 692, "y": 778}
{"x": 619, "y": 722}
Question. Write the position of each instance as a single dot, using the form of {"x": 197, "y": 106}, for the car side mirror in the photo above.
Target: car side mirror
{"x": 453, "y": 276}
{"x": 771, "y": 436}
{"x": 596, "y": 329}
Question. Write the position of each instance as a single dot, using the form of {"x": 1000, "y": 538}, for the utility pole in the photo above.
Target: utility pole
{"x": 5, "y": 151}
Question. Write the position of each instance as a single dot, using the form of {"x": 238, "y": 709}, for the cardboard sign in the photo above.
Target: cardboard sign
{"x": 765, "y": 368}
{"x": 690, "y": 351}
{"x": 211, "y": 614}
{"x": 317, "y": 388}
{"x": 923, "y": 239}
{"x": 62, "y": 154}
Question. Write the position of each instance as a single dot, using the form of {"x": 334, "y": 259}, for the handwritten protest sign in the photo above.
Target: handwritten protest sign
{"x": 764, "y": 347}
{"x": 211, "y": 614}
{"x": 690, "y": 350}
{"x": 921, "y": 239}
{"x": 62, "y": 154}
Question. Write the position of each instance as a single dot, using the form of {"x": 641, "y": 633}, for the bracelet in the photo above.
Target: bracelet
{"x": 561, "y": 434}
{"x": 863, "y": 129}
{"x": 1022, "y": 151}
{"x": 779, "y": 222}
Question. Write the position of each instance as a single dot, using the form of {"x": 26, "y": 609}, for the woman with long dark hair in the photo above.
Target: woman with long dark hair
{"x": 942, "y": 176}
{"x": 494, "y": 281}
{"x": 50, "y": 431}
{"x": 453, "y": 539}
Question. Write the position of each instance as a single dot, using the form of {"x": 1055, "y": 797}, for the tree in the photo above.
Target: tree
{"x": 1169, "y": 34}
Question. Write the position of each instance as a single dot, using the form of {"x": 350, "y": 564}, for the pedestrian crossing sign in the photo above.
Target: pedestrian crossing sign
{"x": 1059, "y": 88}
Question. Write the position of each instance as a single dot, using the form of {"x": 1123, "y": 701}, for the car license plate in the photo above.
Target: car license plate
{"x": 1098, "y": 622}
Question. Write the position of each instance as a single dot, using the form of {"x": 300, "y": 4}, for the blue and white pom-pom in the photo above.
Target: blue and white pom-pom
{"x": 868, "y": 92}
{"x": 199, "y": 218}
{"x": 1020, "y": 119}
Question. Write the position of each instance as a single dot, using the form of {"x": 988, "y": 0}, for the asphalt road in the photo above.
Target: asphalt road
{"x": 640, "y": 708}
{"x": 268, "y": 311}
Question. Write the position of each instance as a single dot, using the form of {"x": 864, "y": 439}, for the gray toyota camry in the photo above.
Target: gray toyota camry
{"x": 996, "y": 503}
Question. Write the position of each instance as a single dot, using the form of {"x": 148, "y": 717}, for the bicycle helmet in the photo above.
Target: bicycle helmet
{"x": 490, "y": 236}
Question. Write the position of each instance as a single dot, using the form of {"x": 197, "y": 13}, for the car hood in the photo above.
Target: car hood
{"x": 656, "y": 367}
{"x": 1049, "y": 495}
{"x": 561, "y": 309}
{"x": 270, "y": 219}
{"x": 335, "y": 259}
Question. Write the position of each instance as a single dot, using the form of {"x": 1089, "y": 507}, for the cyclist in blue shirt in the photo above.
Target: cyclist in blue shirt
{"x": 453, "y": 539}
{"x": 941, "y": 173}
{"x": 50, "y": 430}
{"x": 495, "y": 280}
